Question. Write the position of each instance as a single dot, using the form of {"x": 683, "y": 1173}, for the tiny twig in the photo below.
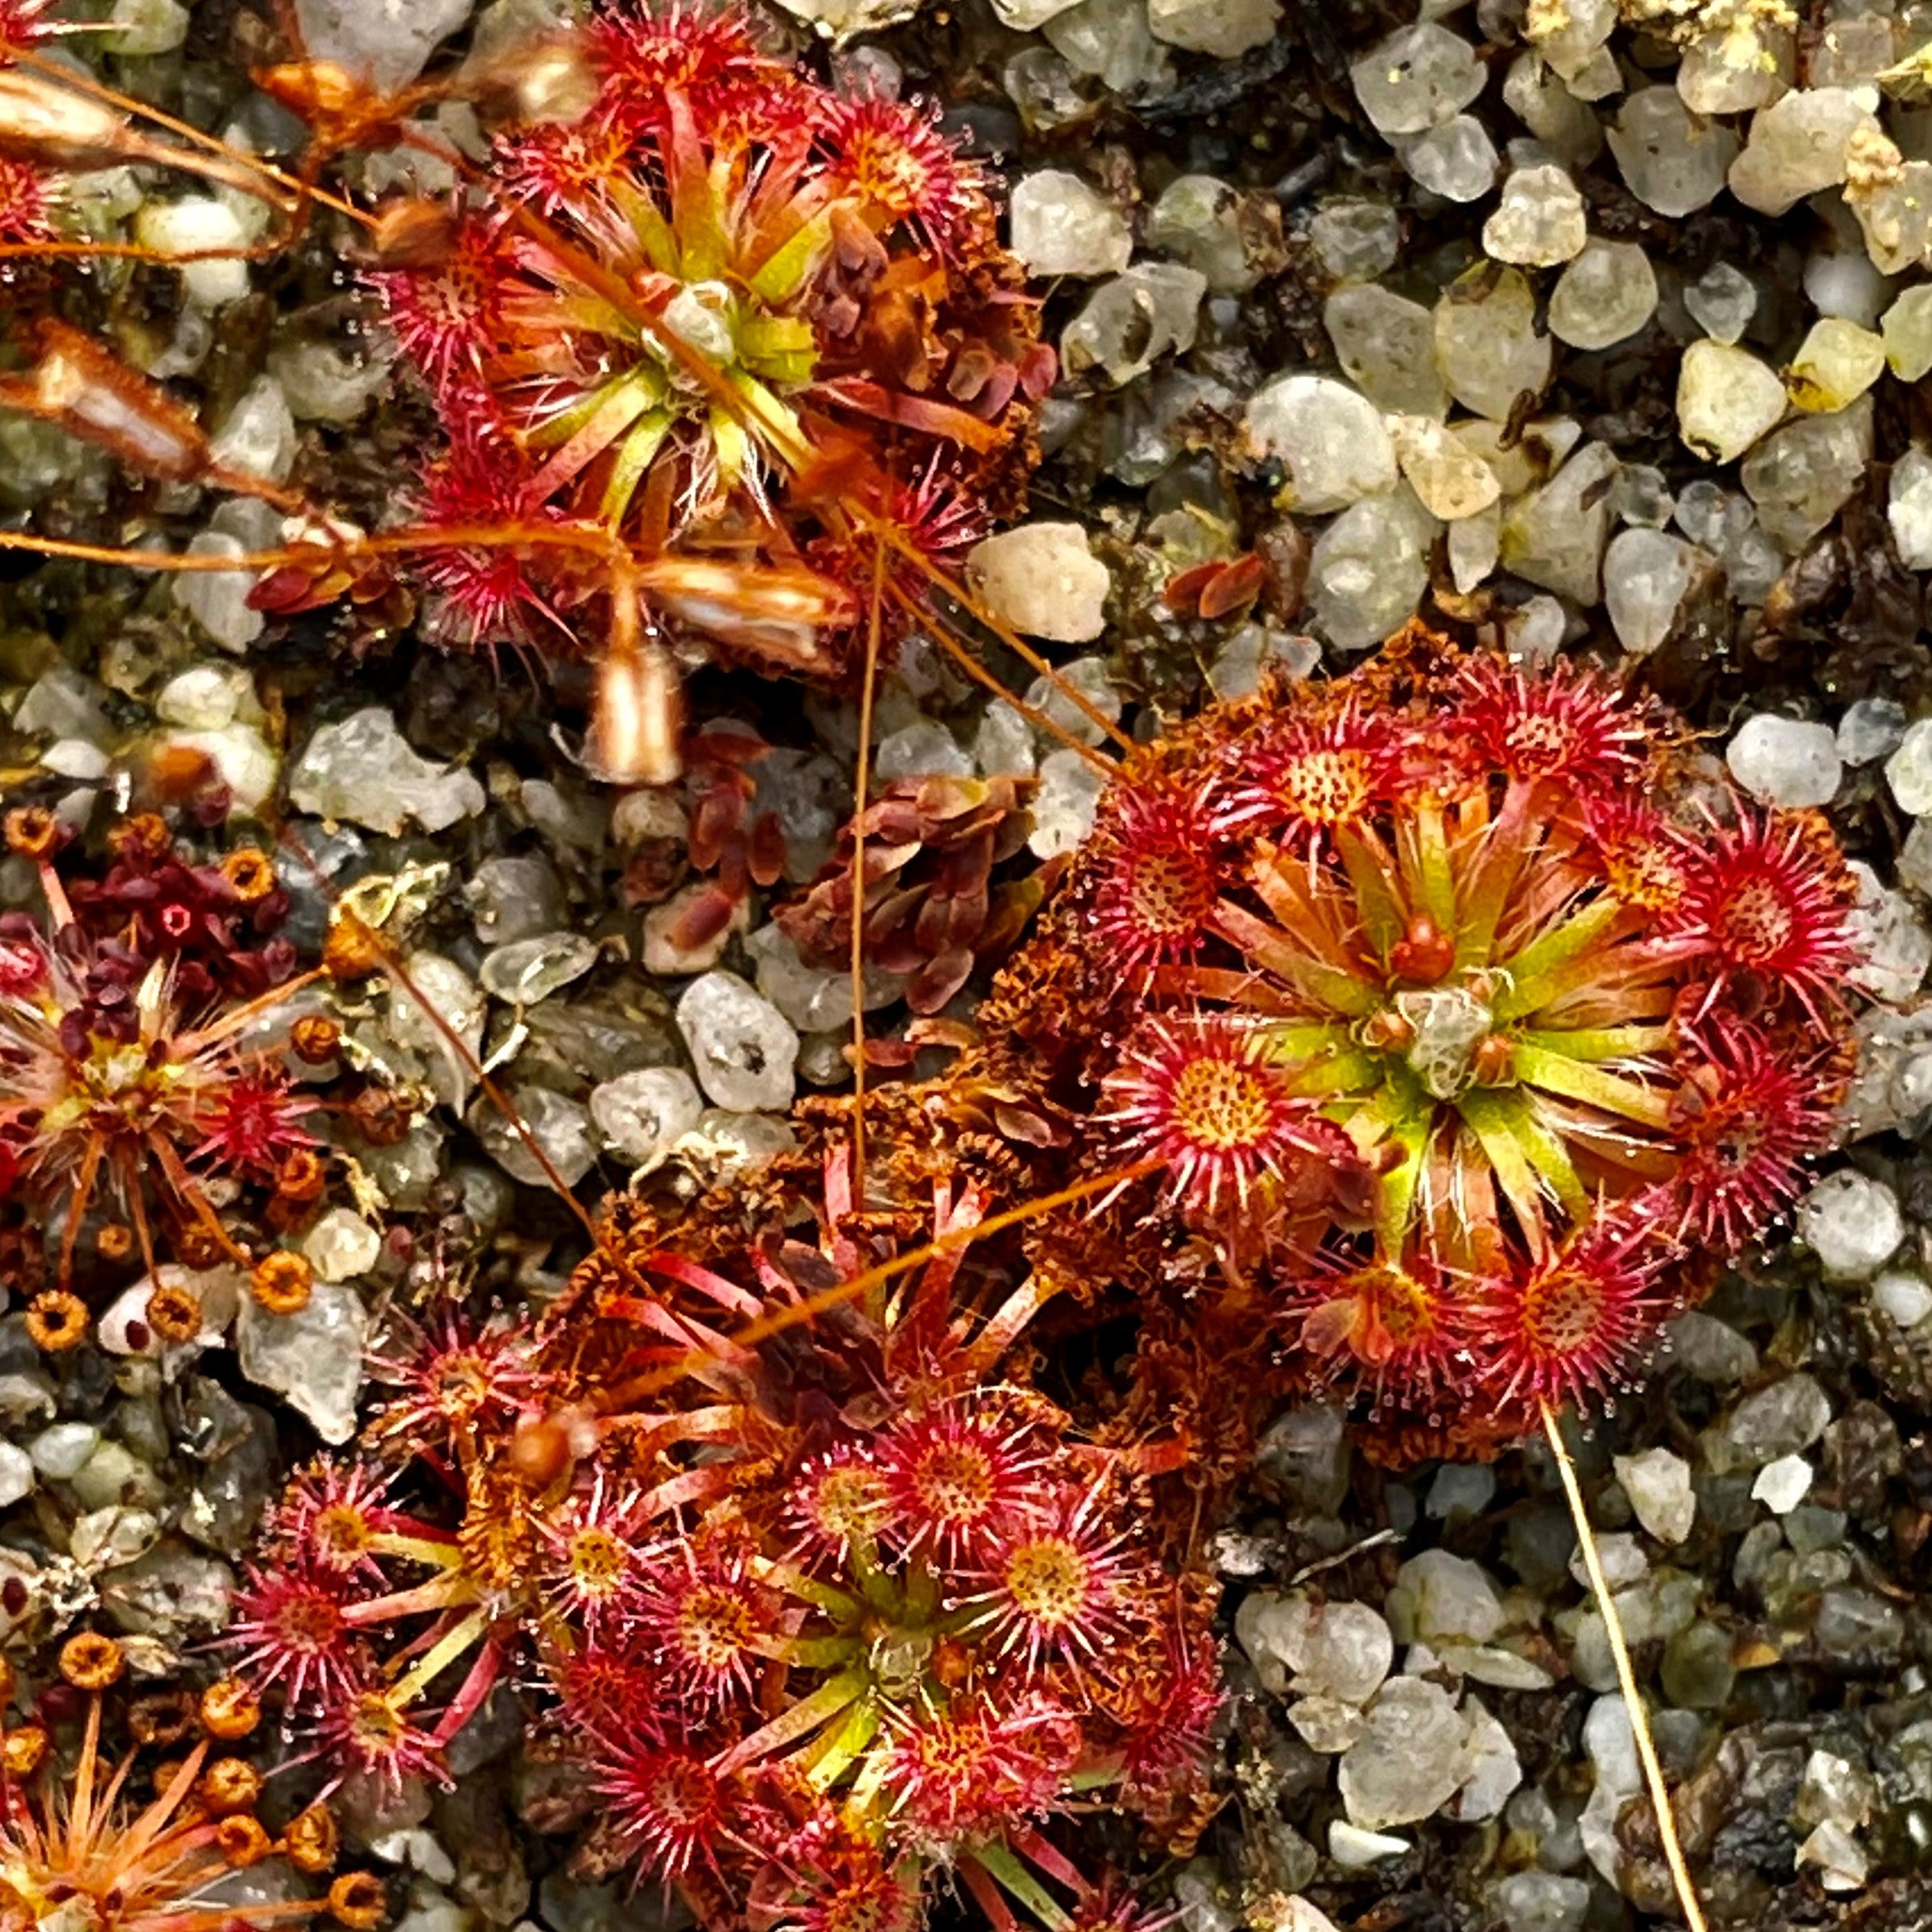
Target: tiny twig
{"x": 1374, "y": 1541}
{"x": 1626, "y": 1678}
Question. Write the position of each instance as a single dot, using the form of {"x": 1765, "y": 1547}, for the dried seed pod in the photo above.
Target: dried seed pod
{"x": 114, "y": 1241}
{"x": 314, "y": 1038}
{"x": 94, "y": 396}
{"x": 242, "y": 1841}
{"x": 24, "y": 1751}
{"x": 160, "y": 1718}
{"x": 198, "y": 1246}
{"x": 300, "y": 1177}
{"x": 311, "y": 1842}
{"x": 539, "y": 1451}
{"x": 92, "y": 1661}
{"x": 547, "y": 77}
{"x": 250, "y": 873}
{"x": 282, "y": 1282}
{"x": 174, "y": 1313}
{"x": 229, "y": 1709}
{"x": 359, "y": 1901}
{"x": 42, "y": 123}
{"x": 142, "y": 839}
{"x": 32, "y": 831}
{"x": 352, "y": 950}
{"x": 57, "y": 1320}
{"x": 381, "y": 1117}
{"x": 409, "y": 233}
{"x": 229, "y": 1784}
{"x": 180, "y": 774}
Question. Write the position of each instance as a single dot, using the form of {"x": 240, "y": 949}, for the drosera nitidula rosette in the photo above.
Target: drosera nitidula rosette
{"x": 1466, "y": 1009}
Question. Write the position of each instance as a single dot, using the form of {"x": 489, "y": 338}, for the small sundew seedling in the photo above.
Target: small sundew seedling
{"x": 143, "y": 1018}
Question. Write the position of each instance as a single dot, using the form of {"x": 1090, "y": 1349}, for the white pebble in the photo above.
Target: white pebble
{"x": 1852, "y": 1223}
{"x": 1909, "y": 770}
{"x": 1351, "y": 1847}
{"x": 743, "y": 1047}
{"x": 1782, "y": 1485}
{"x": 188, "y": 228}
{"x": 62, "y": 1451}
{"x": 1726, "y": 400}
{"x": 341, "y": 1245}
{"x": 1658, "y": 1486}
{"x": 643, "y": 1113}
{"x": 1331, "y": 440}
{"x": 1221, "y": 27}
{"x": 1044, "y": 580}
{"x": 1540, "y": 222}
{"x": 1903, "y": 1298}
{"x": 1062, "y": 226}
{"x": 1785, "y": 760}
{"x": 1909, "y": 509}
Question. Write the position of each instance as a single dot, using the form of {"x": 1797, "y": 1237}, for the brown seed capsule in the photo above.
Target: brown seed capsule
{"x": 175, "y": 1313}
{"x": 57, "y": 1320}
{"x": 380, "y": 1118}
{"x": 314, "y": 1038}
{"x": 32, "y": 831}
{"x": 250, "y": 873}
{"x": 300, "y": 1177}
{"x": 282, "y": 1282}
{"x": 6, "y": 1683}
{"x": 142, "y": 835}
{"x": 1493, "y": 1062}
{"x": 1387, "y": 1032}
{"x": 359, "y": 1901}
{"x": 90, "y": 1661}
{"x": 198, "y": 1245}
{"x": 114, "y": 1241}
{"x": 311, "y": 1841}
{"x": 24, "y": 1751}
{"x": 229, "y": 1784}
{"x": 1425, "y": 952}
{"x": 83, "y": 387}
{"x": 353, "y": 951}
{"x": 160, "y": 1718}
{"x": 229, "y": 1709}
{"x": 241, "y": 1841}
{"x": 539, "y": 1451}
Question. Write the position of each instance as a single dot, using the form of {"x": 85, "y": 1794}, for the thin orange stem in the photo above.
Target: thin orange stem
{"x": 795, "y": 1313}
{"x": 237, "y": 1019}
{"x": 82, "y": 82}
{"x": 187, "y": 1190}
{"x": 494, "y": 1094}
{"x": 941, "y": 580}
{"x": 978, "y": 672}
{"x": 860, "y": 785}
{"x": 81, "y": 1804}
{"x": 77, "y": 1208}
{"x": 1626, "y": 1678}
{"x": 562, "y": 536}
